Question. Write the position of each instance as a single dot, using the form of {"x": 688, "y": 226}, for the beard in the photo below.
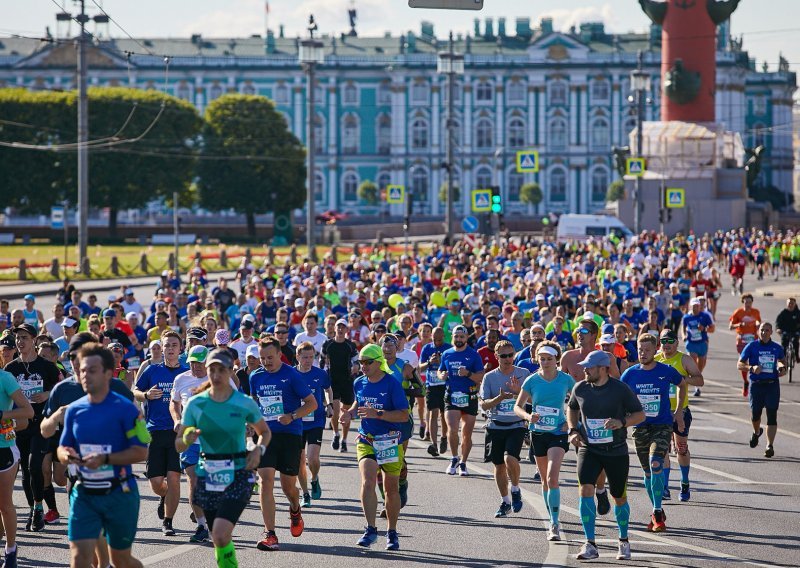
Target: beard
{"x": 459, "y": 344}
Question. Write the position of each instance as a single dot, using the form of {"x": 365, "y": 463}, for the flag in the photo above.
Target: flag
{"x": 266, "y": 7}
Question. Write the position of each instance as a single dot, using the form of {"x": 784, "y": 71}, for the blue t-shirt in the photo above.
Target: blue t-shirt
{"x": 156, "y": 412}
{"x": 652, "y": 389}
{"x": 317, "y": 380}
{"x": 525, "y": 353}
{"x": 453, "y": 360}
{"x": 279, "y": 393}
{"x": 102, "y": 428}
{"x": 515, "y": 339}
{"x": 431, "y": 378}
{"x": 765, "y": 355}
{"x": 691, "y": 325}
{"x": 564, "y": 339}
{"x": 386, "y": 394}
{"x": 528, "y": 364}
{"x": 547, "y": 400}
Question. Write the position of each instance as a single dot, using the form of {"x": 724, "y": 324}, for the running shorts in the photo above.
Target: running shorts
{"x": 162, "y": 455}
{"x": 312, "y": 436}
{"x": 228, "y": 504}
{"x": 283, "y": 453}
{"x": 367, "y": 452}
{"x": 652, "y": 440}
{"x": 434, "y": 397}
{"x": 115, "y": 514}
{"x": 541, "y": 442}
{"x": 699, "y": 348}
{"x": 592, "y": 462}
{"x": 502, "y": 442}
{"x": 687, "y": 423}
{"x": 471, "y": 409}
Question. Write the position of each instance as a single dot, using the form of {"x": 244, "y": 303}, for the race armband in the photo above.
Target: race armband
{"x": 140, "y": 432}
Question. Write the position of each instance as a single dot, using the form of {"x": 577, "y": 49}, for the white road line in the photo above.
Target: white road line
{"x": 781, "y": 431}
{"x": 719, "y": 473}
{"x": 714, "y": 429}
{"x": 167, "y": 554}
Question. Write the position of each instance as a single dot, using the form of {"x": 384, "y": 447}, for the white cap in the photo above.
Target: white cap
{"x": 249, "y": 318}
{"x": 252, "y": 351}
{"x": 588, "y": 315}
{"x": 155, "y": 342}
{"x": 128, "y": 291}
{"x": 68, "y": 322}
{"x": 299, "y": 303}
{"x": 278, "y": 293}
{"x": 130, "y": 315}
{"x": 607, "y": 339}
{"x": 540, "y": 297}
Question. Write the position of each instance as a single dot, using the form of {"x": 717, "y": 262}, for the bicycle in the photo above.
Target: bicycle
{"x": 791, "y": 355}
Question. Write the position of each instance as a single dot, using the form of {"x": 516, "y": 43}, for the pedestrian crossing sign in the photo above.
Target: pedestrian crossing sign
{"x": 635, "y": 167}
{"x": 395, "y": 193}
{"x": 676, "y": 198}
{"x": 527, "y": 161}
{"x": 481, "y": 200}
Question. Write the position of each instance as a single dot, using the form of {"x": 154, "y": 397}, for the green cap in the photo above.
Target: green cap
{"x": 374, "y": 352}
{"x": 197, "y": 354}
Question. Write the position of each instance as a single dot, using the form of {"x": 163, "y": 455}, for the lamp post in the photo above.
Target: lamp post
{"x": 450, "y": 63}
{"x": 640, "y": 85}
{"x": 311, "y": 55}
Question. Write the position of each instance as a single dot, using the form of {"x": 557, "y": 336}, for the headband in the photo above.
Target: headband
{"x": 547, "y": 349}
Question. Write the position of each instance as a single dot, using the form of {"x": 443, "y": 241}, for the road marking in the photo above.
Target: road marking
{"x": 722, "y": 473}
{"x": 714, "y": 429}
{"x": 167, "y": 554}
{"x": 743, "y": 421}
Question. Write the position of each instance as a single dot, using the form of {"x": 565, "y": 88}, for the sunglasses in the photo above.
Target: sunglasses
{"x": 505, "y": 356}
{"x": 583, "y": 331}
{"x": 668, "y": 341}
{"x": 281, "y": 333}
{"x": 365, "y": 362}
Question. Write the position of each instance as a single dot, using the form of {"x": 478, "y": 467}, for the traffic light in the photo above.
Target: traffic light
{"x": 497, "y": 200}
{"x": 620, "y": 155}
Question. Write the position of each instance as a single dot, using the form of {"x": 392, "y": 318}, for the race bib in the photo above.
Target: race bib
{"x": 506, "y": 408}
{"x": 31, "y": 387}
{"x": 219, "y": 474}
{"x": 637, "y": 302}
{"x": 767, "y": 362}
{"x": 134, "y": 363}
{"x": 548, "y": 418}
{"x": 271, "y": 406}
{"x": 695, "y": 334}
{"x": 651, "y": 403}
{"x": 386, "y": 449}
{"x": 596, "y": 431}
{"x": 310, "y": 417}
{"x": 103, "y": 472}
{"x": 434, "y": 380}
{"x": 459, "y": 399}
{"x": 748, "y": 337}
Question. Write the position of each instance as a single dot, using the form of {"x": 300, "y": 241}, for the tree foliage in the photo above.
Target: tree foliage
{"x": 443, "y": 193}
{"x": 616, "y": 191}
{"x": 249, "y": 160}
{"x": 368, "y": 192}
{"x": 531, "y": 193}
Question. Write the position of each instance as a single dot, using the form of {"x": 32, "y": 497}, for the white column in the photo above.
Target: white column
{"x": 333, "y": 186}
{"x": 436, "y": 122}
{"x": 616, "y": 95}
{"x": 532, "y": 116}
{"x": 541, "y": 115}
{"x": 332, "y": 123}
{"x": 467, "y": 121}
{"x": 573, "y": 206}
{"x": 573, "y": 116}
{"x": 499, "y": 105}
{"x": 298, "y": 114}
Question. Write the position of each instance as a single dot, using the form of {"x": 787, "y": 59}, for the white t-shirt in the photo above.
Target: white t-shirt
{"x": 134, "y": 306}
{"x": 53, "y": 328}
{"x": 241, "y": 348}
{"x": 317, "y": 341}
{"x": 409, "y": 357}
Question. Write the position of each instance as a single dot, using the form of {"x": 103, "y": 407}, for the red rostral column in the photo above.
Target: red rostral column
{"x": 688, "y": 55}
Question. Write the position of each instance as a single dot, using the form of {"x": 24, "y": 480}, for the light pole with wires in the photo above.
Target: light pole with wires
{"x": 451, "y": 64}
{"x": 311, "y": 55}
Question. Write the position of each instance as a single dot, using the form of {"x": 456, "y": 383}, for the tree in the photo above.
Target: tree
{"x": 368, "y": 192}
{"x": 443, "y": 193}
{"x": 531, "y": 193}
{"x": 616, "y": 191}
{"x": 249, "y": 161}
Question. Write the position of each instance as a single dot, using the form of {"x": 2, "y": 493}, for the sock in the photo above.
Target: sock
{"x": 648, "y": 486}
{"x": 623, "y": 514}
{"x": 600, "y": 491}
{"x": 657, "y": 482}
{"x": 515, "y": 488}
{"x": 38, "y": 507}
{"x": 506, "y": 499}
{"x": 10, "y": 549}
{"x": 167, "y": 520}
{"x": 201, "y": 522}
{"x": 684, "y": 474}
{"x": 545, "y": 496}
{"x": 226, "y": 556}
{"x": 554, "y": 503}
{"x": 50, "y": 498}
{"x": 667, "y": 470}
{"x": 588, "y": 516}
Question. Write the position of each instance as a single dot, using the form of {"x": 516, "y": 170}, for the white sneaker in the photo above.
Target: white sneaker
{"x": 451, "y": 469}
{"x": 554, "y": 532}
{"x": 462, "y": 470}
{"x": 588, "y": 552}
{"x": 624, "y": 550}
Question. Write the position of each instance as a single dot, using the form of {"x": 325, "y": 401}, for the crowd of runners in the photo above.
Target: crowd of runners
{"x": 230, "y": 384}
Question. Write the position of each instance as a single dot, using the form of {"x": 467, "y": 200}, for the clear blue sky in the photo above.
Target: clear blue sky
{"x": 769, "y": 26}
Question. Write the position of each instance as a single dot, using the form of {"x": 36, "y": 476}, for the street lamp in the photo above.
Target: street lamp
{"x": 311, "y": 54}
{"x": 640, "y": 85}
{"x": 451, "y": 64}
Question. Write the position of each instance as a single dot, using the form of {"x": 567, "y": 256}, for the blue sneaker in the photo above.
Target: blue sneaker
{"x": 666, "y": 496}
{"x": 392, "y": 540}
{"x": 316, "y": 489}
{"x": 516, "y": 501}
{"x": 369, "y": 537}
{"x": 200, "y": 535}
{"x": 685, "y": 493}
{"x": 503, "y": 511}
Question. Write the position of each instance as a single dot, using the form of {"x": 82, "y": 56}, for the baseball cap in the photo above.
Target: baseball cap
{"x": 248, "y": 322}
{"x": 128, "y": 292}
{"x": 68, "y": 322}
{"x": 278, "y": 293}
{"x": 460, "y": 329}
{"x": 607, "y": 328}
{"x": 379, "y": 327}
{"x": 116, "y": 346}
{"x": 607, "y": 339}
{"x": 110, "y": 313}
{"x": 540, "y": 297}
{"x": 341, "y": 322}
{"x": 154, "y": 343}
{"x": 7, "y": 340}
{"x": 252, "y": 351}
{"x": 299, "y": 303}
{"x": 221, "y": 356}
{"x": 197, "y": 354}
{"x": 669, "y": 334}
{"x": 26, "y": 327}
{"x": 695, "y": 302}
{"x": 112, "y": 297}
{"x": 130, "y": 315}
{"x": 30, "y": 297}
{"x": 596, "y": 359}
{"x": 222, "y": 337}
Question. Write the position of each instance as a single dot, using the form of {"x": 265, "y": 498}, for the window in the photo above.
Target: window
{"x": 384, "y": 93}
{"x": 760, "y": 105}
{"x": 248, "y": 89}
{"x": 458, "y": 88}
{"x": 484, "y": 92}
{"x": 319, "y": 135}
{"x": 558, "y": 186}
{"x": 350, "y": 186}
{"x": 384, "y": 134}
{"x": 319, "y": 187}
{"x": 282, "y": 94}
{"x": 184, "y": 91}
{"x": 557, "y": 93}
{"x": 350, "y": 94}
{"x": 419, "y": 134}
{"x": 419, "y": 184}
{"x": 515, "y": 92}
{"x": 515, "y": 182}
{"x": 215, "y": 91}
{"x": 483, "y": 178}
{"x": 600, "y": 136}
{"x": 419, "y": 93}
{"x": 600, "y": 90}
{"x": 384, "y": 179}
{"x": 483, "y": 134}
{"x": 516, "y": 133}
{"x": 558, "y": 134}
{"x": 599, "y": 185}
{"x": 350, "y": 135}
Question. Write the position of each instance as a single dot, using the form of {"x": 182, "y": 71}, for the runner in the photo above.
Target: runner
{"x": 546, "y": 390}
{"x": 338, "y": 359}
{"x": 745, "y": 321}
{"x": 284, "y": 399}
{"x": 430, "y": 358}
{"x": 651, "y": 381}
{"x": 505, "y": 431}
{"x": 604, "y": 408}
{"x": 382, "y": 406}
{"x": 103, "y": 435}
{"x": 462, "y": 371}
{"x": 695, "y": 327}
{"x": 765, "y": 363}
{"x": 218, "y": 417}
{"x": 153, "y": 389}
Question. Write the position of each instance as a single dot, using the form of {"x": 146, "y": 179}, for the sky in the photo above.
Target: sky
{"x": 769, "y": 27}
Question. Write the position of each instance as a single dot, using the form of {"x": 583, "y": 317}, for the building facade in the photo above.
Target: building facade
{"x": 381, "y": 106}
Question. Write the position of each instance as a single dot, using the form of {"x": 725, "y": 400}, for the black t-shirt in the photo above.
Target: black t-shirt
{"x": 118, "y": 336}
{"x": 339, "y": 358}
{"x": 40, "y": 375}
{"x": 224, "y": 298}
{"x": 289, "y": 353}
{"x": 614, "y": 399}
{"x": 243, "y": 375}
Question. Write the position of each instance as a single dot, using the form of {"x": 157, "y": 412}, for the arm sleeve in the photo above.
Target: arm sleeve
{"x": 135, "y": 428}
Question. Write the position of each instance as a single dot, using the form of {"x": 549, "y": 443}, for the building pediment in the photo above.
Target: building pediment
{"x": 65, "y": 56}
{"x": 557, "y": 47}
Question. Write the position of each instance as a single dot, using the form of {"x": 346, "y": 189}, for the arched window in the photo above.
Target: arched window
{"x": 557, "y": 137}
{"x": 319, "y": 187}
{"x": 184, "y": 91}
{"x": 385, "y": 93}
{"x": 516, "y": 133}
{"x": 420, "y": 184}
{"x": 483, "y": 178}
{"x": 350, "y": 186}
{"x": 215, "y": 91}
{"x": 282, "y": 94}
{"x": 599, "y": 185}
{"x": 515, "y": 92}
{"x": 384, "y": 134}
{"x": 350, "y": 94}
{"x": 248, "y": 89}
{"x": 419, "y": 92}
{"x": 384, "y": 179}
{"x": 319, "y": 135}
{"x": 515, "y": 182}
{"x": 600, "y": 135}
{"x": 419, "y": 134}
{"x": 600, "y": 91}
{"x": 484, "y": 139}
{"x": 558, "y": 186}
{"x": 350, "y": 134}
{"x": 484, "y": 92}
{"x": 557, "y": 93}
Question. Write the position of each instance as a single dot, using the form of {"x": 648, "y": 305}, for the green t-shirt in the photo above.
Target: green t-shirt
{"x": 451, "y": 320}
{"x": 775, "y": 253}
{"x": 8, "y": 386}
{"x": 222, "y": 425}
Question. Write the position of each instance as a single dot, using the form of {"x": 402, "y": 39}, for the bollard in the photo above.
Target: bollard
{"x": 223, "y": 258}
{"x": 415, "y": 248}
{"x": 54, "y": 269}
{"x": 357, "y": 249}
{"x": 271, "y": 255}
{"x": 23, "y": 269}
{"x": 379, "y": 238}
{"x": 114, "y": 266}
{"x": 335, "y": 254}
{"x": 86, "y": 267}
{"x": 143, "y": 263}
{"x": 293, "y": 254}
{"x": 248, "y": 256}
{"x": 171, "y": 261}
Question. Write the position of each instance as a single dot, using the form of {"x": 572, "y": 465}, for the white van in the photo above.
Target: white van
{"x": 580, "y": 227}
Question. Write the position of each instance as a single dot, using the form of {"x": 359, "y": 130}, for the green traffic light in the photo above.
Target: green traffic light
{"x": 495, "y": 199}
{"x": 496, "y": 208}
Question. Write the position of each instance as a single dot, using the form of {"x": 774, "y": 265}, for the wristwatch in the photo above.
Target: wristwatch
{"x": 379, "y": 413}
{"x": 573, "y": 431}
{"x": 293, "y": 415}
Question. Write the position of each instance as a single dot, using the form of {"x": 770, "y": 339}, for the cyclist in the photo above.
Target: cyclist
{"x": 788, "y": 325}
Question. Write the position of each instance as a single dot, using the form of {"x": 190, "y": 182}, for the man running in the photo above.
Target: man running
{"x": 745, "y": 321}
{"x": 604, "y": 408}
{"x": 694, "y": 329}
{"x": 338, "y": 358}
{"x": 430, "y": 358}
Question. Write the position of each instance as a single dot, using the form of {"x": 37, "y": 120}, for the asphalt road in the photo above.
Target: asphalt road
{"x": 744, "y": 508}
